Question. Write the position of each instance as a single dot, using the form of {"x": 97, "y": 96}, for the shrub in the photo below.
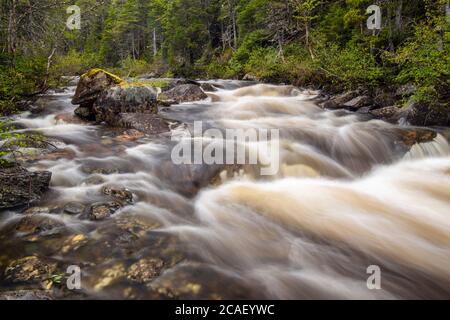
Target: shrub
{"x": 349, "y": 67}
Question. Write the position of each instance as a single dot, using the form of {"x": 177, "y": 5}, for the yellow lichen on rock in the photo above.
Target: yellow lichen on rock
{"x": 95, "y": 71}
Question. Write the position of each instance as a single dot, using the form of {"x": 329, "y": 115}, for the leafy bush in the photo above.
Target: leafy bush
{"x": 424, "y": 60}
{"x": 133, "y": 67}
{"x": 73, "y": 63}
{"x": 349, "y": 67}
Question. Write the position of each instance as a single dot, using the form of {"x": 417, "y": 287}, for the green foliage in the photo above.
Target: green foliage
{"x": 12, "y": 142}
{"x": 349, "y": 67}
{"x": 74, "y": 63}
{"x": 424, "y": 60}
{"x": 131, "y": 67}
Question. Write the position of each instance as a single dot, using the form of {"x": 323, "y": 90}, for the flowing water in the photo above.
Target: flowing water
{"x": 351, "y": 193}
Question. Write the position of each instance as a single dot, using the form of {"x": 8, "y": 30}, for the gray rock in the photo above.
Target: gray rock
{"x": 74, "y": 208}
{"x": 358, "y": 102}
{"x": 208, "y": 87}
{"x": 146, "y": 123}
{"x": 129, "y": 99}
{"x": 364, "y": 110}
{"x": 425, "y": 114}
{"x": 121, "y": 194}
{"x": 36, "y": 224}
{"x": 85, "y": 113}
{"x": 338, "y": 101}
{"x": 92, "y": 84}
{"x": 390, "y": 114}
{"x": 19, "y": 186}
{"x": 100, "y": 211}
{"x": 184, "y": 93}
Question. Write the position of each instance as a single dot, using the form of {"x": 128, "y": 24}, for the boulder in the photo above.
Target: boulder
{"x": 338, "y": 101}
{"x": 384, "y": 98}
{"x": 389, "y": 114}
{"x": 146, "y": 123}
{"x": 124, "y": 99}
{"x": 19, "y": 186}
{"x": 425, "y": 114}
{"x": 358, "y": 102}
{"x": 184, "y": 93}
{"x": 208, "y": 87}
{"x": 85, "y": 113}
{"x": 92, "y": 84}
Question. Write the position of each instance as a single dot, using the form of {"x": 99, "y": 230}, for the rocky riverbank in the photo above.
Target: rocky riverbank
{"x": 395, "y": 105}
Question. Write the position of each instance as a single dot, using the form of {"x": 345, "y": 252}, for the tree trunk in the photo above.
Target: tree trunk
{"x": 12, "y": 32}
{"x": 155, "y": 49}
{"x": 233, "y": 21}
{"x": 47, "y": 72}
{"x": 308, "y": 41}
{"x": 398, "y": 17}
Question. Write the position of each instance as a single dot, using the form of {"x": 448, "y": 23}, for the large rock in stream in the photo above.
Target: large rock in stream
{"x": 185, "y": 93}
{"x": 19, "y": 186}
{"x": 104, "y": 97}
{"x": 125, "y": 99}
{"x": 92, "y": 84}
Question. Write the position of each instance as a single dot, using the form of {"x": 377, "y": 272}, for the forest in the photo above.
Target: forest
{"x": 303, "y": 42}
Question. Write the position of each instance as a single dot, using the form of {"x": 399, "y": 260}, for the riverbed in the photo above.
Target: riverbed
{"x": 352, "y": 192}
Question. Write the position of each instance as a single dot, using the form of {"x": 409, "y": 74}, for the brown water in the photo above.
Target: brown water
{"x": 351, "y": 193}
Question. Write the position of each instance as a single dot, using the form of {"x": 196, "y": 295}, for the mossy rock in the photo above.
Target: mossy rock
{"x": 93, "y": 72}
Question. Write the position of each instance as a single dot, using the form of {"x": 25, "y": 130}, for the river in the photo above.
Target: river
{"x": 351, "y": 193}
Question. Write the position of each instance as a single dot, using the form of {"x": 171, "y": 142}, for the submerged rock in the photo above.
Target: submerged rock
{"x": 184, "y": 93}
{"x": 35, "y": 224}
{"x": 33, "y": 295}
{"x": 120, "y": 194}
{"x": 19, "y": 186}
{"x": 29, "y": 269}
{"x": 101, "y": 211}
{"x": 74, "y": 208}
{"x": 145, "y": 270}
{"x": 130, "y": 135}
